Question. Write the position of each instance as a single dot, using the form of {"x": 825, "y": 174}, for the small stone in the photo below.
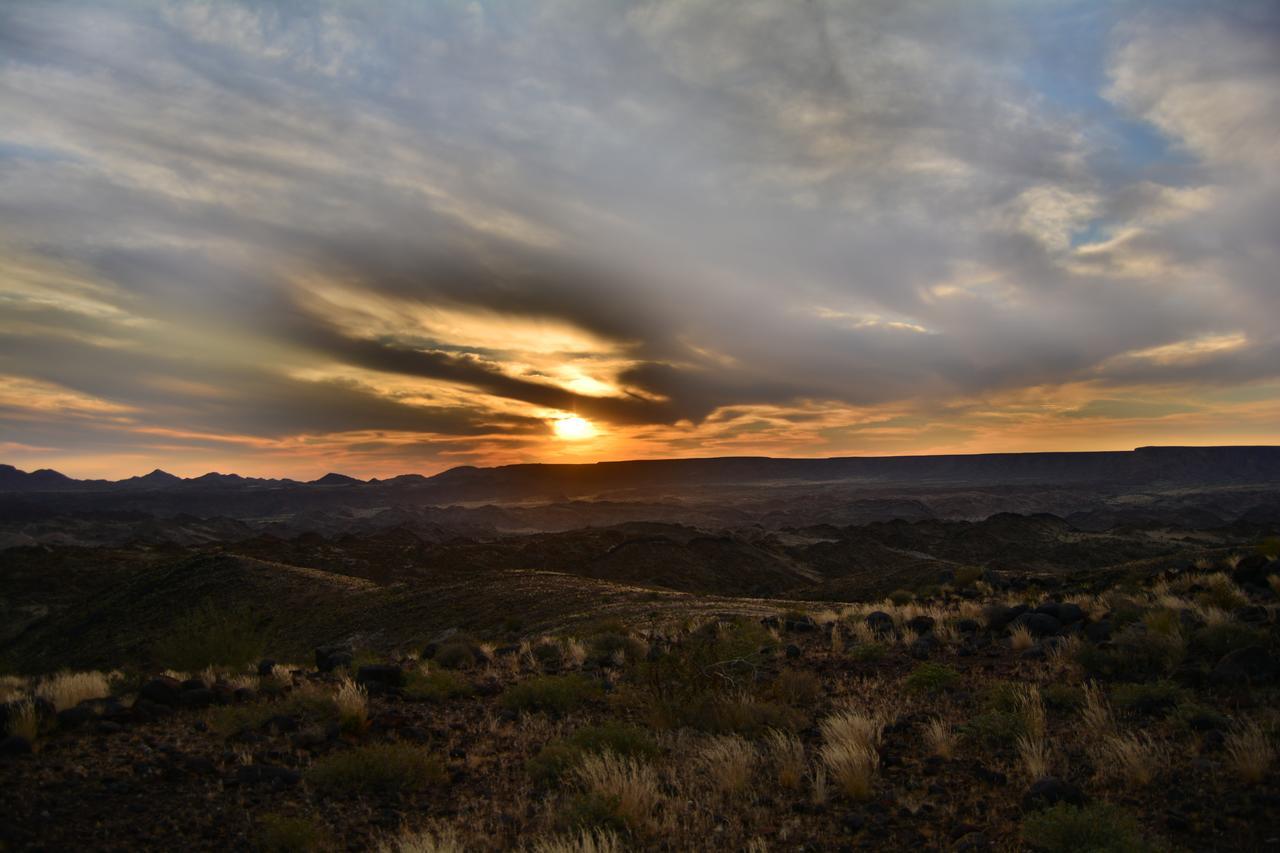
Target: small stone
{"x": 1050, "y": 791}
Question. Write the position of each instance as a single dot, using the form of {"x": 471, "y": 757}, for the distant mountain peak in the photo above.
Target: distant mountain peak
{"x": 332, "y": 479}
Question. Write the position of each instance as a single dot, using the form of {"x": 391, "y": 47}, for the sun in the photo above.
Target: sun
{"x": 573, "y": 428}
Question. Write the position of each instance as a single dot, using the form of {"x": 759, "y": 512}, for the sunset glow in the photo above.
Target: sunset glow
{"x": 290, "y": 238}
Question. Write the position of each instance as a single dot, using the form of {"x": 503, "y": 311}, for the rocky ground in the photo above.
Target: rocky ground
{"x": 1121, "y": 719}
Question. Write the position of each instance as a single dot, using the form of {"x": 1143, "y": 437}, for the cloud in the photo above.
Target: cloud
{"x": 701, "y": 224}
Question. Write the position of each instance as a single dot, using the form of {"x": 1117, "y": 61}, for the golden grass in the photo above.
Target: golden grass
{"x": 1033, "y": 754}
{"x": 1135, "y": 758}
{"x": 940, "y": 737}
{"x": 587, "y": 841}
{"x": 68, "y": 689}
{"x": 632, "y": 787}
{"x": 352, "y": 704}
{"x": 1250, "y": 753}
{"x": 24, "y": 720}
{"x": 1020, "y": 638}
{"x": 849, "y": 752}
{"x": 445, "y": 841}
{"x": 1096, "y": 713}
{"x": 786, "y": 754}
{"x": 728, "y": 762}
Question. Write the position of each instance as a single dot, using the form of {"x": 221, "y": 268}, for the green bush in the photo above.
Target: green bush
{"x": 1146, "y": 700}
{"x": 796, "y": 687}
{"x": 1214, "y": 641}
{"x": 210, "y": 636}
{"x": 868, "y": 652}
{"x": 698, "y": 679}
{"x": 1097, "y": 828}
{"x": 932, "y": 678}
{"x": 556, "y": 694}
{"x": 548, "y": 654}
{"x": 437, "y": 686}
{"x": 995, "y": 727}
{"x": 283, "y": 834}
{"x": 901, "y": 597}
{"x": 377, "y": 768}
{"x": 593, "y": 811}
{"x": 967, "y": 576}
{"x": 1137, "y": 655}
{"x": 555, "y": 759}
{"x": 605, "y": 646}
{"x": 455, "y": 654}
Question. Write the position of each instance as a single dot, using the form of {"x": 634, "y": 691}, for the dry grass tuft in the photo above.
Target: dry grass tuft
{"x": 68, "y": 689}
{"x": 631, "y": 786}
{"x": 598, "y": 841}
{"x": 1274, "y": 582}
{"x": 940, "y": 737}
{"x": 1096, "y": 714}
{"x": 1135, "y": 758}
{"x": 445, "y": 841}
{"x": 1020, "y": 638}
{"x": 24, "y": 720}
{"x": 1033, "y": 753}
{"x": 353, "y": 707}
{"x": 729, "y": 762}
{"x": 849, "y": 751}
{"x": 1250, "y": 753}
{"x": 786, "y": 754}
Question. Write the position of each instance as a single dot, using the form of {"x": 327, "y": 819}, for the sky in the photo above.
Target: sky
{"x": 285, "y": 238}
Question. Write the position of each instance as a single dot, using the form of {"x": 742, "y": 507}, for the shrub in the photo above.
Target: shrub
{"x": 555, "y": 694}
{"x": 626, "y": 789}
{"x": 310, "y": 703}
{"x": 377, "y": 767}
{"x": 932, "y": 678}
{"x": 797, "y": 687}
{"x": 1222, "y": 593}
{"x": 868, "y": 652}
{"x": 1214, "y": 641}
{"x": 208, "y": 636}
{"x": 68, "y": 689}
{"x": 1136, "y": 656}
{"x": 900, "y": 597}
{"x": 1062, "y": 697}
{"x": 283, "y": 834}
{"x": 703, "y": 679}
{"x": 1134, "y": 758}
{"x": 1096, "y": 828}
{"x": 1147, "y": 700}
{"x": 607, "y": 647}
{"x": 967, "y": 576}
{"x": 995, "y": 728}
{"x": 557, "y": 758}
{"x": 849, "y": 751}
{"x": 455, "y": 654}
{"x": 437, "y": 686}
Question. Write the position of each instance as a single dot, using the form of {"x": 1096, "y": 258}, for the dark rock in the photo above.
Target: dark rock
{"x": 15, "y": 745}
{"x": 162, "y": 691}
{"x": 853, "y": 822}
{"x": 991, "y": 777}
{"x": 793, "y": 651}
{"x": 922, "y": 648}
{"x": 333, "y": 656}
{"x": 194, "y": 684}
{"x": 244, "y": 695}
{"x": 1039, "y": 624}
{"x": 1070, "y": 614}
{"x": 1033, "y": 653}
{"x": 968, "y": 626}
{"x": 1253, "y": 614}
{"x": 1050, "y": 791}
{"x": 267, "y": 774}
{"x": 1251, "y": 665}
{"x": 386, "y": 674}
{"x": 999, "y": 616}
{"x": 920, "y": 624}
{"x": 879, "y": 621}
{"x": 72, "y": 718}
{"x": 972, "y": 841}
{"x": 108, "y": 727}
{"x": 265, "y": 667}
{"x": 1098, "y": 632}
{"x": 1213, "y": 741}
{"x": 1050, "y": 608}
{"x": 1254, "y": 569}
{"x": 800, "y": 624}
{"x": 201, "y": 698}
{"x": 281, "y": 723}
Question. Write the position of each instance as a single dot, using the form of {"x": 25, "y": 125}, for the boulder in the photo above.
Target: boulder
{"x": 199, "y": 698}
{"x": 162, "y": 691}
{"x": 1039, "y": 624}
{"x": 330, "y": 657}
{"x": 1098, "y": 632}
{"x": 999, "y": 616}
{"x": 920, "y": 624}
{"x": 266, "y": 666}
{"x": 800, "y": 624}
{"x": 1050, "y": 791}
{"x": 72, "y": 718}
{"x": 1250, "y": 665}
{"x": 384, "y": 674}
{"x": 15, "y": 745}
{"x": 879, "y": 621}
